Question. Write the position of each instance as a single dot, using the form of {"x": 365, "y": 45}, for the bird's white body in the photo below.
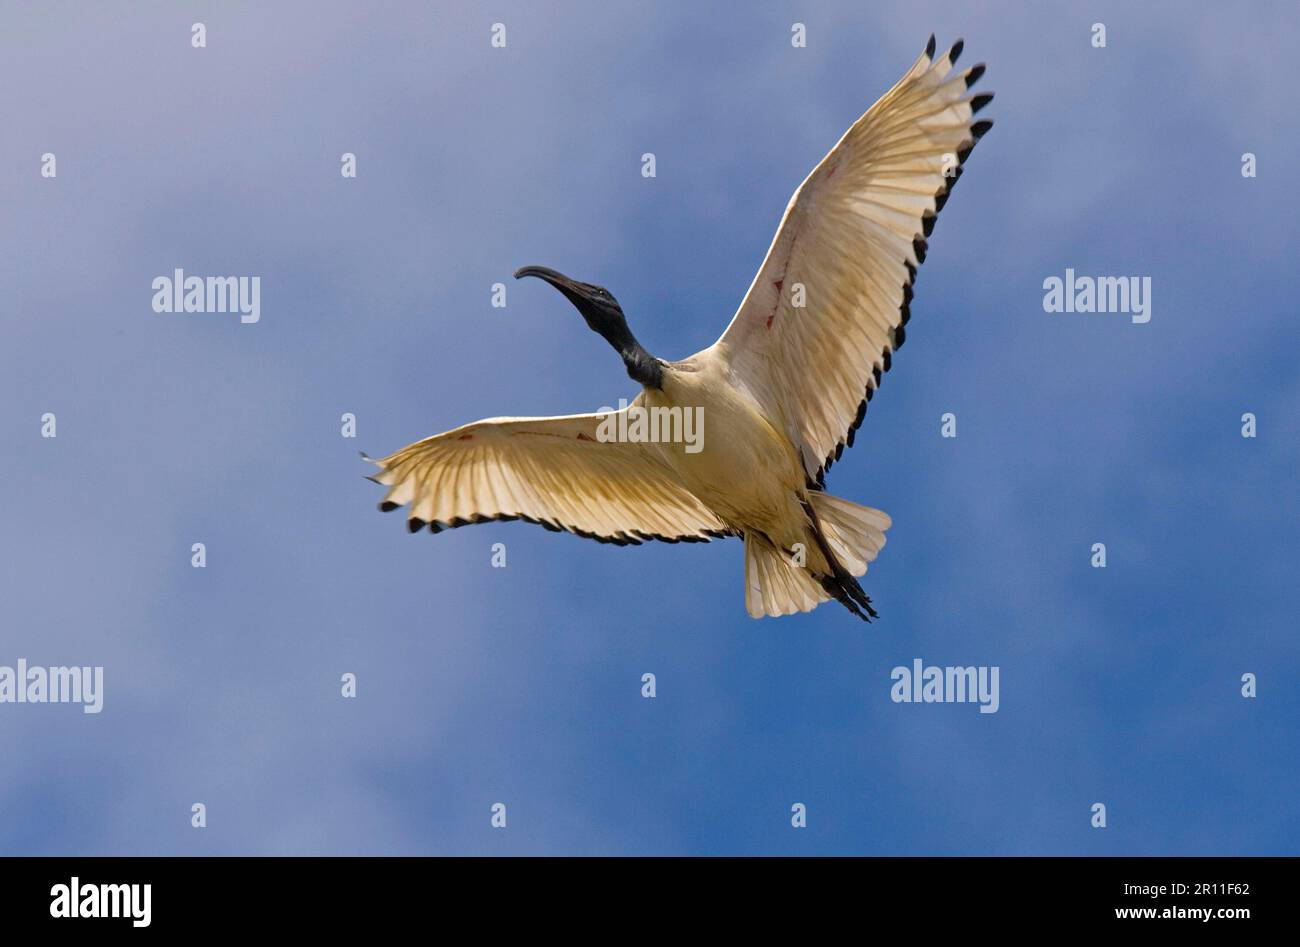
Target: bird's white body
{"x": 747, "y": 473}
{"x": 780, "y": 394}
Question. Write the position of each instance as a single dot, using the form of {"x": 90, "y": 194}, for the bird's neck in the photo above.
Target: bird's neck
{"x": 641, "y": 365}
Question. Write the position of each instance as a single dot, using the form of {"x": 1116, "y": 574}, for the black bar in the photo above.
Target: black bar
{"x": 205, "y": 895}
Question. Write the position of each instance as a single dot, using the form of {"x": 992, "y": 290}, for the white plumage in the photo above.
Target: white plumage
{"x": 780, "y": 393}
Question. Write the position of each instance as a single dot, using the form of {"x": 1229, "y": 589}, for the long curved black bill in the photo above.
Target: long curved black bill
{"x": 543, "y": 272}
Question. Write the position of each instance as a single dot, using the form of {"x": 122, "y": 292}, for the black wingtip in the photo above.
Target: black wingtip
{"x": 953, "y": 53}
{"x": 973, "y": 76}
{"x": 388, "y": 506}
{"x": 415, "y": 524}
{"x": 980, "y": 128}
{"x": 929, "y": 47}
{"x": 980, "y": 101}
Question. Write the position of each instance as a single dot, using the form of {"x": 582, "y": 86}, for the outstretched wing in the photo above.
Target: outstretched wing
{"x": 826, "y": 311}
{"x": 559, "y": 472}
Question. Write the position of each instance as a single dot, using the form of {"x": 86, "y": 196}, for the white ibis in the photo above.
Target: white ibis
{"x": 780, "y": 393}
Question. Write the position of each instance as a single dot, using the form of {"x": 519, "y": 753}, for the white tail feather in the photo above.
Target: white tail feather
{"x": 856, "y": 534}
{"x": 774, "y": 584}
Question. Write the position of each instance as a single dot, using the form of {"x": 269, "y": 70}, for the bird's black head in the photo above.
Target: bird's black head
{"x": 597, "y": 304}
{"x": 605, "y": 316}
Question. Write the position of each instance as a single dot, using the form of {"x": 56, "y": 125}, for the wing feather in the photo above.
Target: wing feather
{"x": 853, "y": 236}
{"x": 559, "y": 472}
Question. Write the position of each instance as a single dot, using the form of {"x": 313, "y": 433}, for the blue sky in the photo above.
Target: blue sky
{"x": 522, "y": 685}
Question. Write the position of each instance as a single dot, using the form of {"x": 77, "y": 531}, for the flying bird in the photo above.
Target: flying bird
{"x": 781, "y": 393}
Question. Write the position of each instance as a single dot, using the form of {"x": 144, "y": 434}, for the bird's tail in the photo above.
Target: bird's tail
{"x": 849, "y": 537}
{"x": 855, "y": 534}
{"x": 846, "y": 537}
{"x": 776, "y": 581}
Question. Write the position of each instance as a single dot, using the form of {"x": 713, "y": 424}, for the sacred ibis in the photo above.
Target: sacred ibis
{"x": 781, "y": 393}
